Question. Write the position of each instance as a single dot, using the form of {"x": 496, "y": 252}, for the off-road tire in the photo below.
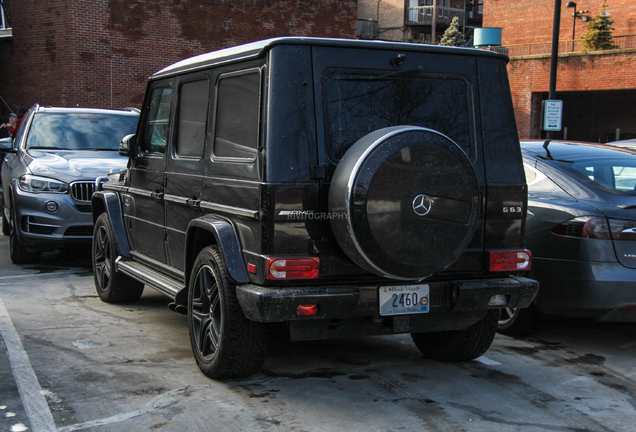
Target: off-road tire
{"x": 224, "y": 342}
{"x": 459, "y": 345}
{"x": 111, "y": 286}
{"x": 518, "y": 322}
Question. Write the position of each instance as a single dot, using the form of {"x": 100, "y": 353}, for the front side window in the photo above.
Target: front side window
{"x": 77, "y": 131}
{"x": 237, "y": 116}
{"x": 193, "y": 113}
{"x": 157, "y": 124}
{"x": 358, "y": 103}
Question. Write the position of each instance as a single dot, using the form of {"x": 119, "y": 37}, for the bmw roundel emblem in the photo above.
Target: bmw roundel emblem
{"x": 421, "y": 205}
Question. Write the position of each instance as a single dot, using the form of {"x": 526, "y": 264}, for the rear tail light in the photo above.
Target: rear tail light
{"x": 510, "y": 260}
{"x": 623, "y": 229}
{"x": 292, "y": 268}
{"x": 597, "y": 228}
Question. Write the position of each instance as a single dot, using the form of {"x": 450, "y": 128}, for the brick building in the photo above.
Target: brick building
{"x": 412, "y": 20}
{"x": 99, "y": 53}
{"x": 598, "y": 88}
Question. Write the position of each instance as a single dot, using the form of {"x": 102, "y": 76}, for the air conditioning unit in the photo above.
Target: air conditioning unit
{"x": 367, "y": 29}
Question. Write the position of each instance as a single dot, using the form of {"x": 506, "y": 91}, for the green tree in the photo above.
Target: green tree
{"x": 452, "y": 36}
{"x": 599, "y": 32}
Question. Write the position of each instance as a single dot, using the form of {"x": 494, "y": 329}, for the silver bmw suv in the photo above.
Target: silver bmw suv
{"x": 49, "y": 174}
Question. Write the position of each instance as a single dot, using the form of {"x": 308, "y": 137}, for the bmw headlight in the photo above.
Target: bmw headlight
{"x": 29, "y": 183}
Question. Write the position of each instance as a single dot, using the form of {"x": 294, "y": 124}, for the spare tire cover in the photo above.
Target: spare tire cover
{"x": 404, "y": 202}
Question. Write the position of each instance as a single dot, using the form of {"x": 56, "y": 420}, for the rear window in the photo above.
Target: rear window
{"x": 360, "y": 102}
{"x": 79, "y": 131}
{"x": 614, "y": 176}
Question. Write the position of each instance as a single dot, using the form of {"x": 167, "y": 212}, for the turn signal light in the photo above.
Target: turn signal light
{"x": 292, "y": 268}
{"x": 506, "y": 260}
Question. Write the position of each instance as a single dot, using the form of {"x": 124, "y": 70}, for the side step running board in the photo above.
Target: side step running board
{"x": 159, "y": 281}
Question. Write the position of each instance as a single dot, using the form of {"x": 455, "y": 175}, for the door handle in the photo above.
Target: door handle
{"x": 157, "y": 196}
{"x": 194, "y": 203}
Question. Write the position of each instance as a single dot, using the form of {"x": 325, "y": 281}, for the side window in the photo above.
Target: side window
{"x": 237, "y": 116}
{"x": 193, "y": 112}
{"x": 539, "y": 183}
{"x": 157, "y": 122}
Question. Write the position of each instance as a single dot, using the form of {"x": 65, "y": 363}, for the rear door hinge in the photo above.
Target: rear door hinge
{"x": 318, "y": 172}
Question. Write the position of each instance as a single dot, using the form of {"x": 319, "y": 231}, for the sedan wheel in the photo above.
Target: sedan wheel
{"x": 516, "y": 321}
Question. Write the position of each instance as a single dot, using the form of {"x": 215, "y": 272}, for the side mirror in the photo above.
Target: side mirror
{"x": 6, "y": 145}
{"x": 128, "y": 146}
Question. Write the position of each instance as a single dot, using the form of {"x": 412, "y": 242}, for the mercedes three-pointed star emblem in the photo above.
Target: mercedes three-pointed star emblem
{"x": 421, "y": 205}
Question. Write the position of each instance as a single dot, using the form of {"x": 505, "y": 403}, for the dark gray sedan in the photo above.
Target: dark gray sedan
{"x": 49, "y": 173}
{"x": 581, "y": 230}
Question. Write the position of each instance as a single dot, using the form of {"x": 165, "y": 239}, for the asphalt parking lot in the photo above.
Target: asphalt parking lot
{"x": 69, "y": 362}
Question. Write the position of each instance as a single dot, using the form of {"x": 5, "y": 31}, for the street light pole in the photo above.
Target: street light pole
{"x": 571, "y": 4}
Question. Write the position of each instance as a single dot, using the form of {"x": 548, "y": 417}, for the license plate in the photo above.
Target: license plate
{"x": 400, "y": 300}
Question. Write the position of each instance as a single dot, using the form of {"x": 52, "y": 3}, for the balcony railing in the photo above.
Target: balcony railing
{"x": 423, "y": 15}
{"x": 621, "y": 42}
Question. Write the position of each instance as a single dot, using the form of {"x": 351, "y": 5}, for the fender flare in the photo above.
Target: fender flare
{"x": 228, "y": 241}
{"x": 109, "y": 202}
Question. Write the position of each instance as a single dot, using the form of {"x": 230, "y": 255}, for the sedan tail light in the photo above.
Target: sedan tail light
{"x": 594, "y": 227}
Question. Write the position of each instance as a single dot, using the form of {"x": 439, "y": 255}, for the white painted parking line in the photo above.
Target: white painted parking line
{"x": 35, "y": 405}
{"x": 487, "y": 361}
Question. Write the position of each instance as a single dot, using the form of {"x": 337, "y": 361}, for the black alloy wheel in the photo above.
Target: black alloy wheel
{"x": 111, "y": 286}
{"x": 224, "y": 342}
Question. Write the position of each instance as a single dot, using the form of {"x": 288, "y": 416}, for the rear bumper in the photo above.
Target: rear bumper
{"x": 604, "y": 291}
{"x": 275, "y": 304}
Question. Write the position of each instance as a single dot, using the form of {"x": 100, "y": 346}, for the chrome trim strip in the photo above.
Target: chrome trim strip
{"x": 141, "y": 192}
{"x": 253, "y": 214}
{"x": 176, "y": 199}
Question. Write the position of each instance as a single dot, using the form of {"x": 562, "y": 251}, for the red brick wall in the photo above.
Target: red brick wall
{"x": 611, "y": 71}
{"x": 605, "y": 78}
{"x": 531, "y": 21}
{"x": 100, "y": 53}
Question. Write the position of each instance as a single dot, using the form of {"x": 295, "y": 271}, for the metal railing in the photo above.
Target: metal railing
{"x": 423, "y": 15}
{"x": 621, "y": 42}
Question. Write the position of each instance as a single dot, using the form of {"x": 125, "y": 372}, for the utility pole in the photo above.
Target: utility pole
{"x": 434, "y": 25}
{"x": 554, "y": 58}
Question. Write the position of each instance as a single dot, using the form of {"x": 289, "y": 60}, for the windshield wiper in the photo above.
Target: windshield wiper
{"x": 381, "y": 77}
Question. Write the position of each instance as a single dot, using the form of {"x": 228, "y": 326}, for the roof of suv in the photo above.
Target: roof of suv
{"x": 65, "y": 110}
{"x": 257, "y": 49}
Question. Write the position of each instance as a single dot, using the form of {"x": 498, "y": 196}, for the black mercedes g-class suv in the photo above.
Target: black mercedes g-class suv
{"x": 342, "y": 187}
